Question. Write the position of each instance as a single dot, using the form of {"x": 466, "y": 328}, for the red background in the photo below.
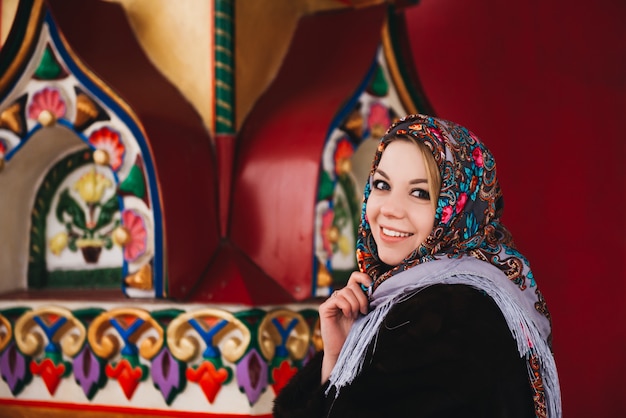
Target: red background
{"x": 542, "y": 84}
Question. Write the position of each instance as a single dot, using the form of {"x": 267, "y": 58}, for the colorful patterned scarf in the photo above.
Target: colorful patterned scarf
{"x": 467, "y": 219}
{"x": 467, "y": 223}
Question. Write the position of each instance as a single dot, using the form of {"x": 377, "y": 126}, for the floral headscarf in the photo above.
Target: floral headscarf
{"x": 467, "y": 218}
{"x": 467, "y": 223}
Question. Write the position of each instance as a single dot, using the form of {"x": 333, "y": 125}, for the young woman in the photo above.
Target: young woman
{"x": 444, "y": 318}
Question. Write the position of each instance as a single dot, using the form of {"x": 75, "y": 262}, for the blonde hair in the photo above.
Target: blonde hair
{"x": 432, "y": 169}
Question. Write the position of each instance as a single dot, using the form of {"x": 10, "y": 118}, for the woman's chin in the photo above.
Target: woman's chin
{"x": 389, "y": 259}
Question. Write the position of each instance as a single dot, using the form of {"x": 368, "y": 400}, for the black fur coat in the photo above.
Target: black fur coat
{"x": 445, "y": 352}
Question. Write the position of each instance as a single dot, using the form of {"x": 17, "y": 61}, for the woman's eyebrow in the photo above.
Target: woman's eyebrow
{"x": 382, "y": 173}
{"x": 414, "y": 181}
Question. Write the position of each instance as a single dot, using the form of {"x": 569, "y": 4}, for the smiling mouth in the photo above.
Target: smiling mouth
{"x": 395, "y": 234}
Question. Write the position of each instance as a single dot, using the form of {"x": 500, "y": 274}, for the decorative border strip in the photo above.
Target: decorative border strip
{"x": 237, "y": 360}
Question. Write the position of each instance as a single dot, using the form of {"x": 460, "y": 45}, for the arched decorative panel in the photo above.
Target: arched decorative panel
{"x": 384, "y": 95}
{"x": 78, "y": 173}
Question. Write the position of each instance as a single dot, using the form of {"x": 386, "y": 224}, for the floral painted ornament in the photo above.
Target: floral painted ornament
{"x": 90, "y": 223}
{"x": 132, "y": 235}
{"x": 109, "y": 147}
{"x": 47, "y": 106}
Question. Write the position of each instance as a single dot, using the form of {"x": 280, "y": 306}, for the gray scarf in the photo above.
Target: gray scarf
{"x": 529, "y": 328}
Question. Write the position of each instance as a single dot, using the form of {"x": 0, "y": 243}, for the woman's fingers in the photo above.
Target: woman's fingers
{"x": 348, "y": 301}
{"x": 360, "y": 279}
{"x": 340, "y": 310}
{"x": 359, "y": 283}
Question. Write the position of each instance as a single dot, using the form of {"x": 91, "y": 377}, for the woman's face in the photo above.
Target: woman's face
{"x": 399, "y": 209}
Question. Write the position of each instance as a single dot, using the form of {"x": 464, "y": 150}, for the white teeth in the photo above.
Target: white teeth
{"x": 393, "y": 233}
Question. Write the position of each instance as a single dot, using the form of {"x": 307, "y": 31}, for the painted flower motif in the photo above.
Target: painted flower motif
{"x": 208, "y": 378}
{"x": 344, "y": 245}
{"x": 378, "y": 120}
{"x": 477, "y": 155}
{"x": 3, "y": 148}
{"x": 58, "y": 243}
{"x": 327, "y": 231}
{"x": 91, "y": 186}
{"x": 49, "y": 100}
{"x": 50, "y": 372}
{"x": 343, "y": 152}
{"x": 282, "y": 375}
{"x": 109, "y": 141}
{"x": 138, "y": 237}
{"x": 88, "y": 229}
{"x": 127, "y": 374}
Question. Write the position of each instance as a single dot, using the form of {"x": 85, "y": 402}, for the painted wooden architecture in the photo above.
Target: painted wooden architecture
{"x": 179, "y": 187}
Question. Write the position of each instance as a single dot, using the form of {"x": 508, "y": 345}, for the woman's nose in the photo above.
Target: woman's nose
{"x": 393, "y": 206}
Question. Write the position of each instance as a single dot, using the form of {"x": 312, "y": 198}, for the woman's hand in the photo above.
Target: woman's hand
{"x": 337, "y": 314}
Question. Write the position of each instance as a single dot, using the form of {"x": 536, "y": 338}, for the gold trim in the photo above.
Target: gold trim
{"x": 224, "y": 121}
{"x": 107, "y": 345}
{"x": 35, "y": 22}
{"x": 394, "y": 71}
{"x": 7, "y": 335}
{"x": 223, "y": 49}
{"x": 223, "y": 15}
{"x": 105, "y": 88}
{"x": 185, "y": 345}
{"x": 70, "y": 335}
{"x": 222, "y": 32}
{"x": 224, "y": 105}
{"x": 223, "y": 66}
{"x": 296, "y": 343}
{"x": 222, "y": 85}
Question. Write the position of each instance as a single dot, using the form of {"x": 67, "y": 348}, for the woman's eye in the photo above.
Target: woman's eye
{"x": 420, "y": 194}
{"x": 381, "y": 185}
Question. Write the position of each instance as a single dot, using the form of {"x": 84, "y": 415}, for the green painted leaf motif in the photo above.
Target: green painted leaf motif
{"x": 49, "y": 68}
{"x": 379, "y": 86}
{"x": 68, "y": 205}
{"x": 134, "y": 183}
{"x": 326, "y": 187}
{"x": 107, "y": 211}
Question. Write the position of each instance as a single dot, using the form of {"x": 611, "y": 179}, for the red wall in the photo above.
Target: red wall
{"x": 543, "y": 84}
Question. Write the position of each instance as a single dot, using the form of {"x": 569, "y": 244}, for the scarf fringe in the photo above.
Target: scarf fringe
{"x": 352, "y": 355}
